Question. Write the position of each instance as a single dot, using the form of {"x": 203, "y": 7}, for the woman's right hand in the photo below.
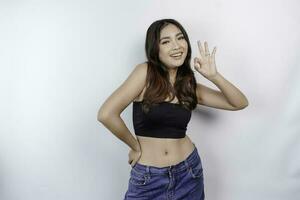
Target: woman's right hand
{"x": 134, "y": 156}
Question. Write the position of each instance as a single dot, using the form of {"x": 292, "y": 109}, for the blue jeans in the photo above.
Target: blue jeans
{"x": 182, "y": 181}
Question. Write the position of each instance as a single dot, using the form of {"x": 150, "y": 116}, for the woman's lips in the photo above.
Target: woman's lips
{"x": 177, "y": 55}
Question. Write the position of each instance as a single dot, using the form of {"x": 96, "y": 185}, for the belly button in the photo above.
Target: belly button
{"x": 166, "y": 152}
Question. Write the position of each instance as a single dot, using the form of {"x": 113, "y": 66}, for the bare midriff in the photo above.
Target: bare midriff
{"x": 162, "y": 152}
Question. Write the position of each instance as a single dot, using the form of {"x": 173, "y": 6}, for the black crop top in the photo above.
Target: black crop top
{"x": 164, "y": 120}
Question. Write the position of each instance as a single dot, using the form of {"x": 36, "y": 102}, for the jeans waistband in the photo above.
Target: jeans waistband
{"x": 191, "y": 160}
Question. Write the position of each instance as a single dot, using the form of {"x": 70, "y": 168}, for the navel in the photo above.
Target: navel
{"x": 166, "y": 152}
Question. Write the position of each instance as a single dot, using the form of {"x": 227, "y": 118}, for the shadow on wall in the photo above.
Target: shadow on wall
{"x": 206, "y": 114}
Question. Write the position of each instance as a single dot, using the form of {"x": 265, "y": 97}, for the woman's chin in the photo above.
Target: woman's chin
{"x": 175, "y": 63}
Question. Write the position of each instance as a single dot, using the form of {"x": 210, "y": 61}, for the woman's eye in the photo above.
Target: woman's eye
{"x": 180, "y": 38}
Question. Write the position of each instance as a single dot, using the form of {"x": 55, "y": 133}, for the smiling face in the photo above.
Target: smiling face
{"x": 172, "y": 46}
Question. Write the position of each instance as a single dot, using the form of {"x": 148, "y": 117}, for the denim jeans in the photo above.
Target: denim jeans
{"x": 182, "y": 181}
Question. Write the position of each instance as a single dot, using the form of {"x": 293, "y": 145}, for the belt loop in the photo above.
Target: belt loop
{"x": 148, "y": 171}
{"x": 170, "y": 169}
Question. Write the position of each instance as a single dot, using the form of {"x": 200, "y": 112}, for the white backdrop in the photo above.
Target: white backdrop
{"x": 60, "y": 60}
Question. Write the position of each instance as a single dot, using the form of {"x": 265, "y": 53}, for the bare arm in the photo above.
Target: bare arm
{"x": 110, "y": 111}
{"x": 229, "y": 98}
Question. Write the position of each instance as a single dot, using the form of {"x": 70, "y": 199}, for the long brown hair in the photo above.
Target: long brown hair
{"x": 158, "y": 86}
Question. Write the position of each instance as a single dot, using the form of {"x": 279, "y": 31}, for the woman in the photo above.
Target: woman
{"x": 165, "y": 162}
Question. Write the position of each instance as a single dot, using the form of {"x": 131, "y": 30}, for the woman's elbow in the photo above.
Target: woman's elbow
{"x": 244, "y": 105}
{"x": 104, "y": 115}
{"x": 101, "y": 117}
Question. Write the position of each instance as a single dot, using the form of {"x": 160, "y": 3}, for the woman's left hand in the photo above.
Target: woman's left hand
{"x": 206, "y": 64}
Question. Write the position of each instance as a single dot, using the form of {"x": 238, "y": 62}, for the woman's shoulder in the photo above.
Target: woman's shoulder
{"x": 143, "y": 65}
{"x": 143, "y": 68}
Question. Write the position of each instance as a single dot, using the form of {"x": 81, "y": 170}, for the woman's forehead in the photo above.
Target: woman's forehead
{"x": 170, "y": 30}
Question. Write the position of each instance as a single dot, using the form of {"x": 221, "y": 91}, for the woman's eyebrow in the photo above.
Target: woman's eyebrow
{"x": 169, "y": 37}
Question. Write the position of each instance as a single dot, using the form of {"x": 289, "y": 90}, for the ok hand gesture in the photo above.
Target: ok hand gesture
{"x": 206, "y": 64}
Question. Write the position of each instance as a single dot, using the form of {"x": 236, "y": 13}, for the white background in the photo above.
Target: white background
{"x": 60, "y": 60}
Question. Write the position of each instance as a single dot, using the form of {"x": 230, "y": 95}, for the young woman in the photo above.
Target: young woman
{"x": 165, "y": 163}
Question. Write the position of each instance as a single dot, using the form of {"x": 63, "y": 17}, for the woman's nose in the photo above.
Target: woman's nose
{"x": 175, "y": 45}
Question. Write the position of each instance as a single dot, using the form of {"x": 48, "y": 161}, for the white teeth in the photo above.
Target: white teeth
{"x": 176, "y": 55}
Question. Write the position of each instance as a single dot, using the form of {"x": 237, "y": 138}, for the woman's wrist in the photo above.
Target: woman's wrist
{"x": 137, "y": 146}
